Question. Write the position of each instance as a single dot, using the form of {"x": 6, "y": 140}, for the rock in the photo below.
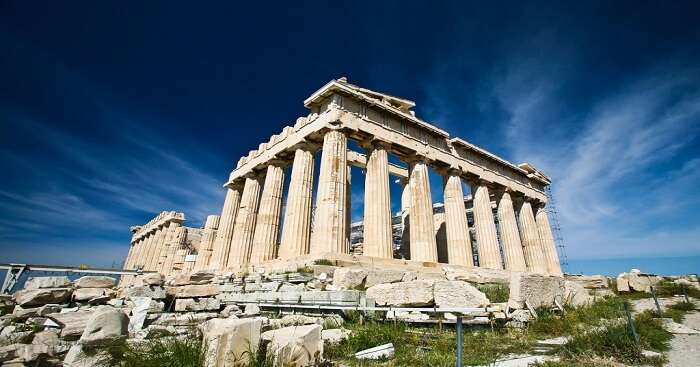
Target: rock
{"x": 637, "y": 281}
{"x": 231, "y": 310}
{"x": 194, "y": 290}
{"x": 651, "y": 354}
{"x": 537, "y": 290}
{"x": 194, "y": 278}
{"x": 576, "y": 295}
{"x": 334, "y": 336}
{"x": 381, "y": 351}
{"x": 107, "y": 324}
{"x": 407, "y": 316}
{"x": 86, "y": 294}
{"x": 47, "y": 282}
{"x": 403, "y": 294}
{"x": 8, "y": 352}
{"x": 458, "y": 294}
{"x": 229, "y": 340}
{"x": 150, "y": 291}
{"x": 6, "y": 304}
{"x": 138, "y": 313}
{"x": 288, "y": 287}
{"x": 50, "y": 339}
{"x": 622, "y": 284}
{"x": 430, "y": 275}
{"x": 676, "y": 328}
{"x": 79, "y": 356}
{"x": 202, "y": 304}
{"x": 47, "y": 309}
{"x": 72, "y": 323}
{"x": 478, "y": 275}
{"x": 184, "y": 319}
{"x": 95, "y": 281}
{"x": 349, "y": 278}
{"x": 590, "y": 281}
{"x": 154, "y": 306}
{"x": 32, "y": 352}
{"x": 42, "y": 296}
{"x": 295, "y": 345}
{"x": 251, "y": 310}
{"x": 377, "y": 276}
{"x": 21, "y": 313}
{"x": 148, "y": 279}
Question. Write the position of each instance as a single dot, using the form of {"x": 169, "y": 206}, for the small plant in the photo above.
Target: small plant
{"x": 324, "y": 262}
{"x": 188, "y": 351}
{"x": 305, "y": 269}
{"x": 495, "y": 292}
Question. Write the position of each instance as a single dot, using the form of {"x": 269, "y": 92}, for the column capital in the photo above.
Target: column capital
{"x": 374, "y": 142}
{"x": 234, "y": 185}
{"x": 307, "y": 145}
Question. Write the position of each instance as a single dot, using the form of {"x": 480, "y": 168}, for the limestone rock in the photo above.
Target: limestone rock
{"x": 202, "y": 304}
{"x": 231, "y": 310}
{"x": 87, "y": 294}
{"x": 184, "y": 319}
{"x": 334, "y": 336}
{"x": 458, "y": 294}
{"x": 403, "y": 294}
{"x": 148, "y": 279}
{"x": 228, "y": 341}
{"x": 106, "y": 324}
{"x": 47, "y": 282}
{"x": 150, "y": 291}
{"x": 349, "y": 278}
{"x": 478, "y": 275}
{"x": 622, "y": 284}
{"x": 295, "y": 345}
{"x": 636, "y": 281}
{"x": 194, "y": 290}
{"x": 72, "y": 323}
{"x": 537, "y": 290}
{"x": 21, "y": 313}
{"x": 377, "y": 276}
{"x": 251, "y": 310}
{"x": 576, "y": 295}
{"x": 139, "y": 313}
{"x": 79, "y": 356}
{"x": 42, "y": 296}
{"x": 193, "y": 278}
{"x": 288, "y": 287}
{"x": 590, "y": 281}
{"x": 94, "y": 281}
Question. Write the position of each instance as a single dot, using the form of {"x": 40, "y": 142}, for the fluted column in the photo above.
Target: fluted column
{"x": 224, "y": 235}
{"x": 153, "y": 260}
{"x": 180, "y": 251}
{"x": 459, "y": 244}
{"x": 329, "y": 227}
{"x": 296, "y": 232}
{"x": 485, "y": 228}
{"x": 268, "y": 221}
{"x": 534, "y": 258}
{"x": 244, "y": 228}
{"x": 135, "y": 262}
{"x": 164, "y": 246}
{"x": 207, "y": 244}
{"x": 177, "y": 240}
{"x": 377, "y": 218}
{"x": 423, "y": 244}
{"x": 405, "y": 219}
{"x": 549, "y": 248}
{"x": 148, "y": 249}
{"x": 512, "y": 246}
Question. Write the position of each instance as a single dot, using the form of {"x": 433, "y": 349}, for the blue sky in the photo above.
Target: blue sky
{"x": 113, "y": 111}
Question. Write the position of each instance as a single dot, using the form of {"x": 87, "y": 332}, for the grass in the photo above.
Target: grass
{"x": 549, "y": 324}
{"x": 169, "y": 351}
{"x": 495, "y": 292}
{"x": 678, "y": 310}
{"x": 324, "y": 262}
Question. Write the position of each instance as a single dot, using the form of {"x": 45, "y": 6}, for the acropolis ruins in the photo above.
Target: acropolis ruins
{"x": 506, "y": 228}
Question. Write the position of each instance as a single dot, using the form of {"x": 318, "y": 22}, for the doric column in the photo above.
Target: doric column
{"x": 244, "y": 227}
{"x": 179, "y": 244}
{"x": 224, "y": 235}
{"x": 162, "y": 234}
{"x": 163, "y": 250}
{"x": 512, "y": 247}
{"x": 207, "y": 243}
{"x": 329, "y": 226}
{"x": 405, "y": 219}
{"x": 138, "y": 249}
{"x": 549, "y": 248}
{"x": 177, "y": 241}
{"x": 534, "y": 258}
{"x": 459, "y": 243}
{"x": 296, "y": 232}
{"x": 377, "y": 218}
{"x": 268, "y": 221}
{"x": 423, "y": 245}
{"x": 485, "y": 228}
{"x": 148, "y": 249}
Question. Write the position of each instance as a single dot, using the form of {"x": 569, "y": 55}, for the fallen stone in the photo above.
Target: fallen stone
{"x": 149, "y": 279}
{"x": 150, "y": 291}
{"x": 576, "y": 295}
{"x": 458, "y": 294}
{"x": 382, "y": 351}
{"x": 412, "y": 316}
{"x": 477, "y": 275}
{"x": 47, "y": 309}
{"x": 622, "y": 284}
{"x": 42, "y": 296}
{"x": 231, "y": 310}
{"x": 80, "y": 356}
{"x": 377, "y": 276}
{"x": 295, "y": 345}
{"x": 229, "y": 340}
{"x": 139, "y": 313}
{"x": 95, "y": 281}
{"x": 251, "y": 310}
{"x": 349, "y": 278}
{"x": 403, "y": 294}
{"x": 590, "y": 281}
{"x": 27, "y": 353}
{"x": 194, "y": 291}
{"x": 194, "y": 278}
{"x": 72, "y": 323}
{"x": 47, "y": 282}
{"x": 86, "y": 294}
{"x": 537, "y": 290}
{"x": 184, "y": 319}
{"x": 202, "y": 304}
{"x": 21, "y": 313}
{"x": 106, "y": 325}
{"x": 288, "y": 287}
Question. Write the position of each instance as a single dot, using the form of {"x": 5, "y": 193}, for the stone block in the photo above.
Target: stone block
{"x": 576, "y": 295}
{"x": 458, "y": 294}
{"x": 202, "y": 304}
{"x": 296, "y": 345}
{"x": 72, "y": 323}
{"x": 107, "y": 324}
{"x": 228, "y": 341}
{"x": 93, "y": 281}
{"x": 86, "y": 294}
{"x": 148, "y": 279}
{"x": 194, "y": 290}
{"x": 42, "y": 296}
{"x": 537, "y": 290}
{"x": 150, "y": 291}
{"x": 349, "y": 278}
{"x": 201, "y": 277}
{"x": 334, "y": 336}
{"x": 47, "y": 282}
{"x": 184, "y": 319}
{"x": 378, "y": 276}
{"x": 414, "y": 293}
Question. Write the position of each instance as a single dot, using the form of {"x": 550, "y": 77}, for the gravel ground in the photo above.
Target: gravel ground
{"x": 685, "y": 349}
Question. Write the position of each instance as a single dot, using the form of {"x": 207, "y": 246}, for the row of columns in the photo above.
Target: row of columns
{"x": 250, "y": 219}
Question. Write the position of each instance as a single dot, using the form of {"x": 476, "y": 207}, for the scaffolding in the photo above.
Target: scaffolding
{"x": 556, "y": 227}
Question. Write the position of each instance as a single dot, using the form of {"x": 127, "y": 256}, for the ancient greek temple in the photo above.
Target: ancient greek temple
{"x": 508, "y": 227}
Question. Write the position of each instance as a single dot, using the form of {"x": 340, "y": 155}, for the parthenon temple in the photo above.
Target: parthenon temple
{"x": 500, "y": 224}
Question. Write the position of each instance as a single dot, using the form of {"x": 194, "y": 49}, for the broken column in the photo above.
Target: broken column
{"x": 486, "y": 239}
{"x": 296, "y": 233}
{"x": 269, "y": 213}
{"x": 377, "y": 219}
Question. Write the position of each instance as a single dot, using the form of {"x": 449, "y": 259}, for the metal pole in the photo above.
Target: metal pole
{"x": 459, "y": 341}
{"x": 631, "y": 323}
{"x": 685, "y": 292}
{"x": 656, "y": 300}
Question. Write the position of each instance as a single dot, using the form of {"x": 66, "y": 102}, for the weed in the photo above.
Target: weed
{"x": 324, "y": 262}
{"x": 549, "y": 324}
{"x": 170, "y": 351}
{"x": 305, "y": 269}
{"x": 678, "y": 310}
{"x": 495, "y": 292}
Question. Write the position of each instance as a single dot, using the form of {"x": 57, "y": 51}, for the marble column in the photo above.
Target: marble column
{"x": 148, "y": 249}
{"x": 377, "y": 217}
{"x": 161, "y": 250}
{"x": 534, "y": 258}
{"x": 329, "y": 226}
{"x": 405, "y": 219}
{"x": 207, "y": 243}
{"x": 485, "y": 228}
{"x": 165, "y": 248}
{"x": 136, "y": 261}
{"x": 268, "y": 221}
{"x": 549, "y": 248}
{"x": 179, "y": 244}
{"x": 422, "y": 238}
{"x": 459, "y": 243}
{"x": 296, "y": 232}
{"x": 224, "y": 235}
{"x": 244, "y": 228}
{"x": 177, "y": 240}
{"x": 514, "y": 258}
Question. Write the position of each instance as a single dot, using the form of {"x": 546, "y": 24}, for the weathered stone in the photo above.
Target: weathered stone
{"x": 192, "y": 278}
{"x": 288, "y": 287}
{"x": 148, "y": 279}
{"x": 478, "y": 275}
{"x": 251, "y": 310}
{"x": 231, "y": 311}
{"x": 537, "y": 290}
{"x": 194, "y": 290}
{"x": 295, "y": 345}
{"x": 86, "y": 294}
{"x": 458, "y": 294}
{"x": 622, "y": 284}
{"x": 139, "y": 313}
{"x": 93, "y": 281}
{"x": 229, "y": 340}
{"x": 47, "y": 282}
{"x": 590, "y": 281}
{"x": 411, "y": 316}
{"x": 47, "y": 309}
{"x": 576, "y": 295}
{"x": 107, "y": 324}
{"x": 22, "y": 313}
{"x": 150, "y": 291}
{"x": 404, "y": 294}
{"x": 384, "y": 351}
{"x": 37, "y": 297}
{"x": 184, "y": 319}
{"x": 80, "y": 356}
{"x": 72, "y": 323}
{"x": 202, "y": 304}
{"x": 349, "y": 278}
{"x": 378, "y": 276}
{"x": 334, "y": 336}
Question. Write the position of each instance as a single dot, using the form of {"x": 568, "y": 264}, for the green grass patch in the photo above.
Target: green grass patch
{"x": 170, "y": 351}
{"x": 324, "y": 262}
{"x": 550, "y": 324}
{"x": 495, "y": 292}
